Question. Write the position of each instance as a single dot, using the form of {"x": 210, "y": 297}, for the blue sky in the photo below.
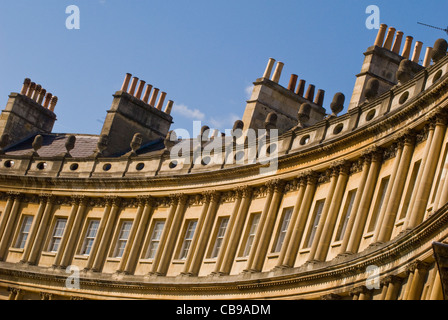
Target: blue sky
{"x": 204, "y": 54}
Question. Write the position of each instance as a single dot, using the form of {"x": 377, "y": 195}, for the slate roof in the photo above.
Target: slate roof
{"x": 85, "y": 146}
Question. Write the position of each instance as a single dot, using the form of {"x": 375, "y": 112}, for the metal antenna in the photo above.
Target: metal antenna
{"x": 427, "y": 25}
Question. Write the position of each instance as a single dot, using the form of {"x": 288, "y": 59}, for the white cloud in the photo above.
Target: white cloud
{"x": 185, "y": 111}
{"x": 249, "y": 90}
{"x": 224, "y": 122}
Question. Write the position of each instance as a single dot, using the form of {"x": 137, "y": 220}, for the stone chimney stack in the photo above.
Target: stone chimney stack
{"x": 268, "y": 96}
{"x": 130, "y": 115}
{"x": 381, "y": 62}
{"x": 25, "y": 115}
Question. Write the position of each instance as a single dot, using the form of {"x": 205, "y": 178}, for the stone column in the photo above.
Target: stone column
{"x": 419, "y": 269}
{"x": 205, "y": 206}
{"x": 366, "y": 162}
{"x": 43, "y": 227}
{"x": 238, "y": 195}
{"x": 301, "y": 181}
{"x": 424, "y": 189}
{"x": 70, "y": 248}
{"x": 364, "y": 206}
{"x": 393, "y": 284}
{"x": 398, "y": 146}
{"x": 142, "y": 204}
{"x": 106, "y": 236}
{"x": 270, "y": 185}
{"x": 34, "y": 227}
{"x": 173, "y": 235}
{"x": 8, "y": 221}
{"x": 385, "y": 227}
{"x": 173, "y": 202}
{"x": 436, "y": 292}
{"x": 67, "y": 231}
{"x": 430, "y": 134}
{"x": 136, "y": 246}
{"x": 323, "y": 243}
{"x": 361, "y": 293}
{"x": 333, "y": 181}
{"x": 235, "y": 234}
{"x": 266, "y": 234}
{"x": 99, "y": 234}
{"x": 296, "y": 237}
{"x": 204, "y": 234}
{"x": 11, "y": 196}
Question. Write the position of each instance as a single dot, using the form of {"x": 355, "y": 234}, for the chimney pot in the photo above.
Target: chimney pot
{"x": 310, "y": 92}
{"x": 380, "y": 37}
{"x": 26, "y": 85}
{"x": 125, "y": 85}
{"x": 147, "y": 93}
{"x": 41, "y": 96}
{"x": 169, "y": 107}
{"x": 278, "y": 72}
{"x": 53, "y": 103}
{"x": 140, "y": 89}
{"x": 292, "y": 82}
{"x": 301, "y": 88}
{"x": 36, "y": 92}
{"x": 47, "y": 100}
{"x": 320, "y": 98}
{"x": 133, "y": 85}
{"x": 269, "y": 67}
{"x": 398, "y": 41}
{"x": 31, "y": 89}
{"x": 427, "y": 60}
{"x": 161, "y": 101}
{"x": 389, "y": 38}
{"x": 155, "y": 93}
{"x": 407, "y": 47}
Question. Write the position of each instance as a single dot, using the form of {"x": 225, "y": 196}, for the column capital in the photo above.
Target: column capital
{"x": 391, "y": 279}
{"x": 146, "y": 200}
{"x": 408, "y": 137}
{"x": 276, "y": 185}
{"x": 359, "y": 290}
{"x": 112, "y": 200}
{"x": 311, "y": 177}
{"x": 14, "y": 195}
{"x": 420, "y": 265}
{"x": 331, "y": 296}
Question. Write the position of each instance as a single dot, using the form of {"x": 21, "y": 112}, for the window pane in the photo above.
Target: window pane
{"x": 57, "y": 234}
{"x": 122, "y": 239}
{"x": 317, "y": 212}
{"x": 90, "y": 237}
{"x": 283, "y": 229}
{"x": 187, "y": 239}
{"x": 251, "y": 236}
{"x": 155, "y": 239}
{"x": 220, "y": 237}
{"x": 24, "y": 231}
{"x": 346, "y": 215}
{"x": 379, "y": 204}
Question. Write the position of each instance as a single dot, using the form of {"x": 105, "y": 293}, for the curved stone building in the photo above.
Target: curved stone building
{"x": 291, "y": 204}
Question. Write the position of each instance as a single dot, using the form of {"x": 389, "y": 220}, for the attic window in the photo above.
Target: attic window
{"x": 9, "y": 164}
{"x": 107, "y": 167}
{"x": 41, "y": 165}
